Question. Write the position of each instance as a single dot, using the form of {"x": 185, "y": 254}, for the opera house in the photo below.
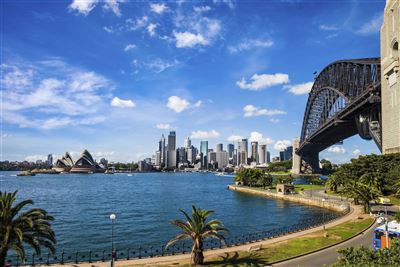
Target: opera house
{"x": 85, "y": 164}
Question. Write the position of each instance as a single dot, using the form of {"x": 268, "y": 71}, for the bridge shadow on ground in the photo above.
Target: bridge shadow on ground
{"x": 235, "y": 259}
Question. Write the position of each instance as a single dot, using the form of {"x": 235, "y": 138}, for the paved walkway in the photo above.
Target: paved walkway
{"x": 355, "y": 212}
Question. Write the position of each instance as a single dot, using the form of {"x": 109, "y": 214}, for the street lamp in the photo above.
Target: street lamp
{"x": 112, "y": 217}
{"x": 323, "y": 214}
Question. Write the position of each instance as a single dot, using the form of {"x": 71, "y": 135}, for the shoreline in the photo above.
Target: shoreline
{"x": 331, "y": 204}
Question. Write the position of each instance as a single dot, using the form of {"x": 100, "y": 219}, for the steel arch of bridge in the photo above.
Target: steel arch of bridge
{"x": 344, "y": 101}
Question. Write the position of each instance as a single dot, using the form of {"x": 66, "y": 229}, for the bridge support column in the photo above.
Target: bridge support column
{"x": 310, "y": 163}
{"x": 390, "y": 82}
{"x": 296, "y": 160}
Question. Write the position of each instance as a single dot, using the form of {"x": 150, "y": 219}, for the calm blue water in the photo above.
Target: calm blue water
{"x": 144, "y": 205}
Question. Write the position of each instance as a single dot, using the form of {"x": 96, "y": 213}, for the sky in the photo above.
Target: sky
{"x": 111, "y": 76}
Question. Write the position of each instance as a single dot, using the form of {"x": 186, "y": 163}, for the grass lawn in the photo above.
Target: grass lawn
{"x": 287, "y": 249}
{"x": 394, "y": 200}
{"x": 298, "y": 187}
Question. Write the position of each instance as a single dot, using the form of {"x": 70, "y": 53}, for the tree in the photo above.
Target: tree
{"x": 16, "y": 227}
{"x": 362, "y": 192}
{"x": 266, "y": 180}
{"x": 197, "y": 228}
{"x": 364, "y": 257}
{"x": 397, "y": 217}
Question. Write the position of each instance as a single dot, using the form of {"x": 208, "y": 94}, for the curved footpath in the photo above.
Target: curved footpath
{"x": 324, "y": 256}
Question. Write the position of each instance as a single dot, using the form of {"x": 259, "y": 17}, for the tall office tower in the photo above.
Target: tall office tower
{"x": 286, "y": 154}
{"x": 158, "y": 159}
{"x": 50, "y": 159}
{"x": 219, "y": 148}
{"x": 235, "y": 157}
{"x": 262, "y": 154}
{"x": 161, "y": 148}
{"x": 181, "y": 155}
{"x": 204, "y": 153}
{"x": 254, "y": 152}
{"x": 212, "y": 157}
{"x": 242, "y": 152}
{"x": 187, "y": 142}
{"x": 171, "y": 150}
{"x": 268, "y": 157}
{"x": 222, "y": 159}
{"x": 231, "y": 150}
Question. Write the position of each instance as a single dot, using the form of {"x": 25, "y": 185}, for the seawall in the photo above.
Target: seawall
{"x": 340, "y": 206}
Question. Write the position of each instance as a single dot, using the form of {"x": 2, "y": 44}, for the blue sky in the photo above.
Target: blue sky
{"x": 112, "y": 76}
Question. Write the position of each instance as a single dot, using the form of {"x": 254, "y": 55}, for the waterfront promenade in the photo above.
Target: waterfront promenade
{"x": 182, "y": 259}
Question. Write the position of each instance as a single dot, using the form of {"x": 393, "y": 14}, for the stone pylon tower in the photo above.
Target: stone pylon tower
{"x": 296, "y": 160}
{"x": 390, "y": 80}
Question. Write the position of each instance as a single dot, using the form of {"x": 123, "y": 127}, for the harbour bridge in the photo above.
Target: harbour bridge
{"x": 345, "y": 100}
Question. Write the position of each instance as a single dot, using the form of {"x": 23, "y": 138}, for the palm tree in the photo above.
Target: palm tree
{"x": 198, "y": 229}
{"x": 16, "y": 227}
{"x": 360, "y": 191}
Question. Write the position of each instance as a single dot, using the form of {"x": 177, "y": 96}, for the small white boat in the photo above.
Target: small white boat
{"x": 220, "y": 174}
{"x": 130, "y": 174}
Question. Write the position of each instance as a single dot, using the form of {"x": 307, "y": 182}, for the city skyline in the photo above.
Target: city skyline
{"x": 175, "y": 66}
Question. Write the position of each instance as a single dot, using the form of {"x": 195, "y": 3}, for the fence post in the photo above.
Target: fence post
{"x": 48, "y": 259}
{"x": 17, "y": 261}
{"x": 62, "y": 257}
{"x": 127, "y": 256}
{"x": 33, "y": 259}
{"x": 76, "y": 257}
{"x": 162, "y": 250}
{"x": 140, "y": 252}
{"x": 103, "y": 256}
{"x": 90, "y": 256}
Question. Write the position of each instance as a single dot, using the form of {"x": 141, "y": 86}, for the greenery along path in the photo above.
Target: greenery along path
{"x": 268, "y": 254}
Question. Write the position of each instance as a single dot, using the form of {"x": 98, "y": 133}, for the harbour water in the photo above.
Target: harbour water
{"x": 144, "y": 204}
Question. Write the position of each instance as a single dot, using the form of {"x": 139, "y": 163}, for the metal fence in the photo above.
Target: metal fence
{"x": 90, "y": 256}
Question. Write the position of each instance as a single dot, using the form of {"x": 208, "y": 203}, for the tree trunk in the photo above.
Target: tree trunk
{"x": 198, "y": 257}
{"x": 3, "y": 256}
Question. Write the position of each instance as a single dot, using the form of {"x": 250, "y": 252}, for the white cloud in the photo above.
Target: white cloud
{"x": 113, "y": 5}
{"x": 102, "y": 154}
{"x": 324, "y": 27}
{"x": 163, "y": 126}
{"x": 300, "y": 89}
{"x": 34, "y": 158}
{"x": 336, "y": 150}
{"x": 198, "y": 104}
{"x": 177, "y": 104}
{"x": 188, "y": 39}
{"x": 157, "y": 65}
{"x": 235, "y": 138}
{"x": 108, "y": 29}
{"x": 121, "y": 103}
{"x": 273, "y": 120}
{"x": 151, "y": 29}
{"x": 371, "y": 27}
{"x": 83, "y": 6}
{"x": 204, "y": 134}
{"x": 356, "y": 152}
{"x": 229, "y": 3}
{"x": 250, "y": 44}
{"x": 137, "y": 24}
{"x": 201, "y": 9}
{"x": 282, "y": 144}
{"x": 129, "y": 47}
{"x": 158, "y": 8}
{"x": 259, "y": 82}
{"x": 258, "y": 137}
{"x": 252, "y": 111}
{"x": 195, "y": 31}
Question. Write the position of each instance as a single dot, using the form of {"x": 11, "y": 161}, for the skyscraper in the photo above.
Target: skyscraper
{"x": 262, "y": 153}
{"x": 242, "y": 152}
{"x": 171, "y": 151}
{"x": 187, "y": 142}
{"x": 204, "y": 153}
{"x": 268, "y": 157}
{"x": 50, "y": 159}
{"x": 219, "y": 148}
{"x": 161, "y": 149}
{"x": 254, "y": 152}
{"x": 230, "y": 150}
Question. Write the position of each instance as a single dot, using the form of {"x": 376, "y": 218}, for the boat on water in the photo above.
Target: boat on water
{"x": 26, "y": 173}
{"x": 220, "y": 174}
{"x": 130, "y": 174}
{"x": 110, "y": 170}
